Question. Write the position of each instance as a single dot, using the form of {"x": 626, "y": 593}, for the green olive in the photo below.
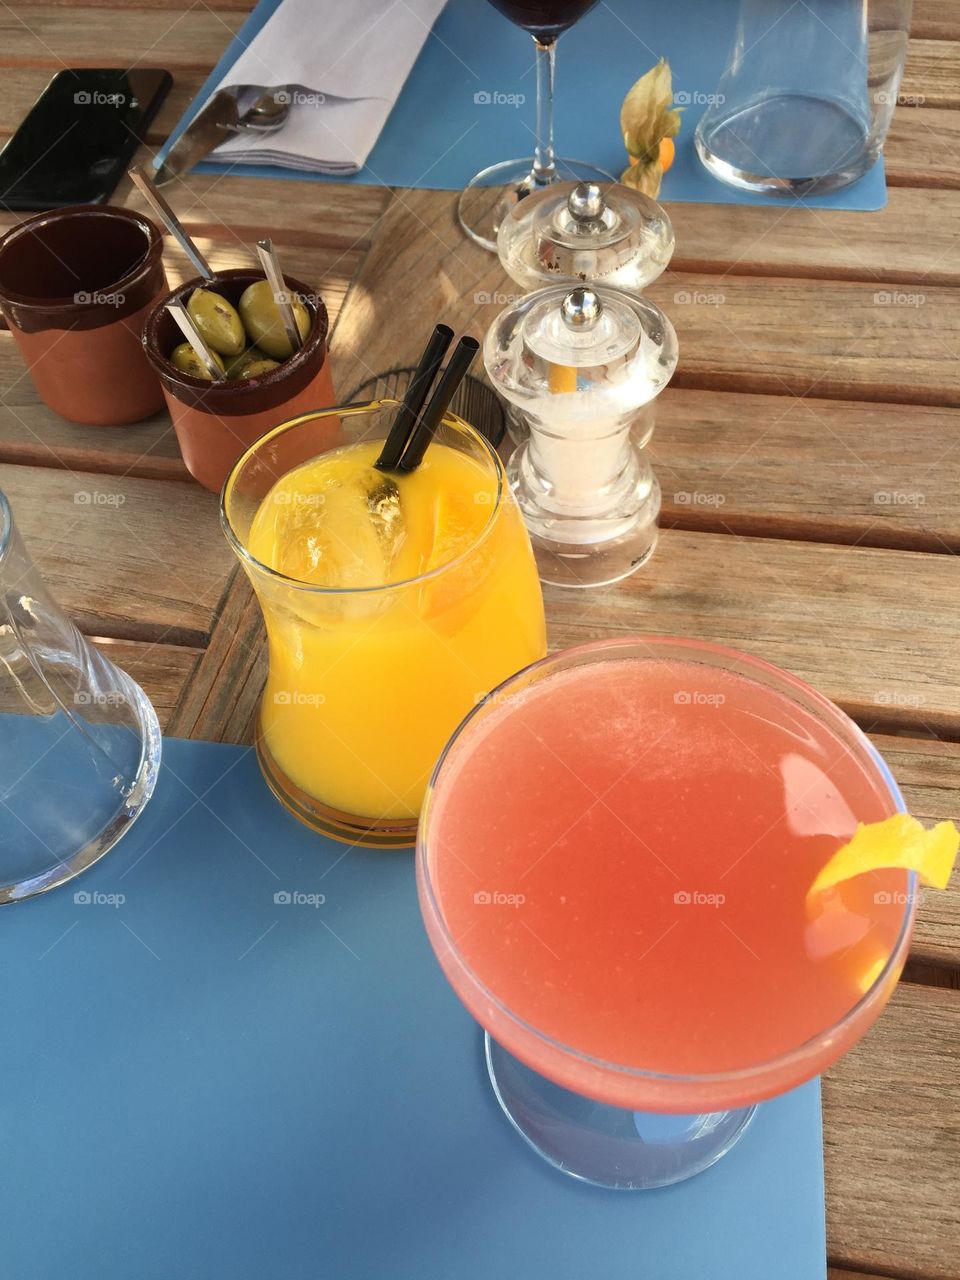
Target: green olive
{"x": 186, "y": 360}
{"x": 216, "y": 318}
{"x": 237, "y": 364}
{"x": 263, "y": 322}
{"x": 258, "y": 367}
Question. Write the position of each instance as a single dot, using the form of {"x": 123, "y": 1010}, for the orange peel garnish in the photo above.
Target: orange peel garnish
{"x": 897, "y": 843}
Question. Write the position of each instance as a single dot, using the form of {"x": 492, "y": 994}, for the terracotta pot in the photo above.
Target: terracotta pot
{"x": 216, "y": 422}
{"x": 75, "y": 286}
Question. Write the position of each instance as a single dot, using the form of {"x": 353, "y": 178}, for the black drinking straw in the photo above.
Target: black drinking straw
{"x": 420, "y": 385}
{"x": 439, "y": 403}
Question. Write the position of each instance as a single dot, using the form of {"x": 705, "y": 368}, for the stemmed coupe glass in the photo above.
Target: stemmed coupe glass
{"x": 630, "y": 922}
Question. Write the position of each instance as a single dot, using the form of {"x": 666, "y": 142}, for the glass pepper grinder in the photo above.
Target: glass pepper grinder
{"x": 584, "y": 366}
{"x": 583, "y": 233}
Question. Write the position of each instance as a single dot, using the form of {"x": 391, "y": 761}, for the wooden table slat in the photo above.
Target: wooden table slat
{"x": 833, "y": 339}
{"x": 911, "y": 242}
{"x": 55, "y": 36}
{"x": 829, "y": 470}
{"x": 33, "y": 434}
{"x": 923, "y": 148}
{"x": 335, "y": 217}
{"x": 161, "y": 670}
{"x": 935, "y": 20}
{"x": 129, "y": 558}
{"x": 891, "y": 1120}
{"x": 932, "y": 74}
{"x": 869, "y": 628}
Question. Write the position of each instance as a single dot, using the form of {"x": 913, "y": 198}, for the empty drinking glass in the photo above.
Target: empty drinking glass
{"x": 808, "y": 94}
{"x": 79, "y": 740}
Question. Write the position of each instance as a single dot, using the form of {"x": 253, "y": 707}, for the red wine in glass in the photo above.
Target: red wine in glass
{"x": 495, "y": 190}
{"x": 544, "y": 19}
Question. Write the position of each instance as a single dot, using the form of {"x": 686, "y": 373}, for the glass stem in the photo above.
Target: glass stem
{"x": 544, "y": 160}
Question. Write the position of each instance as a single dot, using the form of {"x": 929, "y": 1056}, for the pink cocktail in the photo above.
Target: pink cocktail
{"x": 615, "y": 865}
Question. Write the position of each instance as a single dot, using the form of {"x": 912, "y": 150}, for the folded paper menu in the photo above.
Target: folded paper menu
{"x": 340, "y": 67}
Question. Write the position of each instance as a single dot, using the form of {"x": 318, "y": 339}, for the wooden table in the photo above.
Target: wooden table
{"x": 817, "y": 406}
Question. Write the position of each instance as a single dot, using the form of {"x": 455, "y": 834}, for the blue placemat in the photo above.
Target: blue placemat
{"x": 229, "y": 1052}
{"x": 442, "y": 131}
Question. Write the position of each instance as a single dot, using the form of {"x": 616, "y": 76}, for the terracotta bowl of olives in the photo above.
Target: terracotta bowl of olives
{"x": 264, "y": 380}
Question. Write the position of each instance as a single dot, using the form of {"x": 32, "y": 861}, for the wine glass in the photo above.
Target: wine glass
{"x": 489, "y": 196}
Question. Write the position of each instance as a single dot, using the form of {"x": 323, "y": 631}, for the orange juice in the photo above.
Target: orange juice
{"x": 404, "y": 599}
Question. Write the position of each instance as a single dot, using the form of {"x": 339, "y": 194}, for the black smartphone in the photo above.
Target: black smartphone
{"x": 79, "y": 137}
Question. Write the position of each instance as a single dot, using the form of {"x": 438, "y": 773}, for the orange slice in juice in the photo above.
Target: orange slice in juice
{"x": 897, "y": 842}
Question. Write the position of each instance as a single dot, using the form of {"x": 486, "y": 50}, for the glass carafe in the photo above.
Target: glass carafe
{"x": 79, "y": 740}
{"x": 808, "y": 94}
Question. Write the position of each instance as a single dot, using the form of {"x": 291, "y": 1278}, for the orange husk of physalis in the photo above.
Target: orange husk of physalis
{"x": 898, "y": 843}
{"x": 649, "y": 122}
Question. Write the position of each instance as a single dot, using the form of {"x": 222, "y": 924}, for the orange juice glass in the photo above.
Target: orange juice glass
{"x": 370, "y": 669}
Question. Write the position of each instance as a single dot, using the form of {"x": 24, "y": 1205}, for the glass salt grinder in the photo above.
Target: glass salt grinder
{"x": 584, "y": 366}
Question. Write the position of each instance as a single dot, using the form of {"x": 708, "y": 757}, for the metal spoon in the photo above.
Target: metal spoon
{"x": 219, "y": 119}
{"x": 170, "y": 220}
{"x": 271, "y": 269}
{"x": 268, "y": 113}
{"x": 192, "y": 335}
